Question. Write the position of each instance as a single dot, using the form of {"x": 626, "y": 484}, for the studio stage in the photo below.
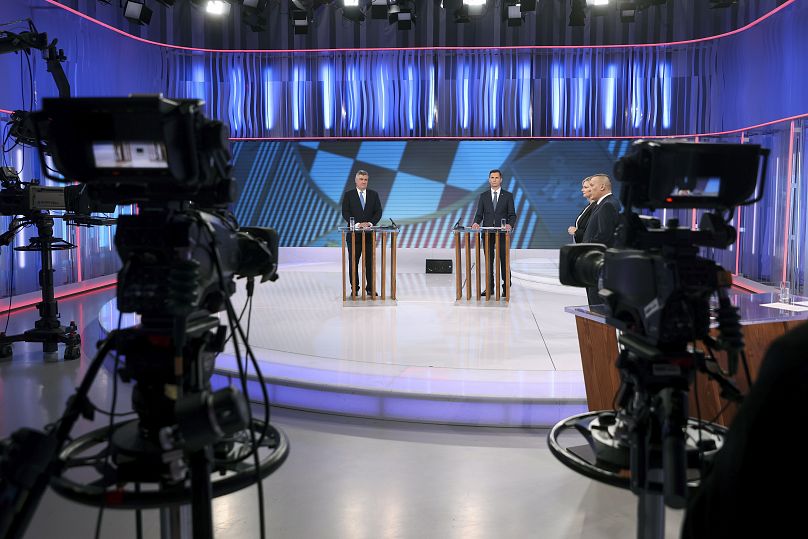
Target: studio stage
{"x": 426, "y": 358}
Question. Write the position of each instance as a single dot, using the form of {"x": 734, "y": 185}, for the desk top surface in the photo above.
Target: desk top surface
{"x": 751, "y": 309}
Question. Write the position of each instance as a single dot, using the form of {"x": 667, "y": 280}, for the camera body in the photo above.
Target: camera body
{"x": 653, "y": 282}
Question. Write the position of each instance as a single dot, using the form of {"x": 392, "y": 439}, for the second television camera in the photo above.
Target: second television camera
{"x": 657, "y": 291}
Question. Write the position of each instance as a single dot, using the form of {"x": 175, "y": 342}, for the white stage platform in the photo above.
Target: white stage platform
{"x": 425, "y": 358}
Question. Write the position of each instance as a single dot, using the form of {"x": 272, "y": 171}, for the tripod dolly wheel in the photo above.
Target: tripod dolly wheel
{"x": 72, "y": 352}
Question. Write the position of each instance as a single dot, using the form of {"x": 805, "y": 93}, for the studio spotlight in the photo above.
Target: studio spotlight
{"x": 401, "y": 13}
{"x": 527, "y": 5}
{"x": 596, "y": 3}
{"x": 627, "y": 11}
{"x": 512, "y": 13}
{"x": 256, "y": 5}
{"x": 577, "y": 13}
{"x": 137, "y": 12}
{"x": 166, "y": 3}
{"x": 300, "y": 21}
{"x": 352, "y": 11}
{"x": 378, "y": 9}
{"x": 217, "y": 7}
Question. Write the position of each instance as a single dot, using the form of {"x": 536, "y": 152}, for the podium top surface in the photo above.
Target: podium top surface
{"x": 751, "y": 308}
{"x": 386, "y": 228}
{"x": 482, "y": 229}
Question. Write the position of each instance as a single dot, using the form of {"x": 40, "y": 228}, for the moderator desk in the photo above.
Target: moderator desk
{"x": 599, "y": 350}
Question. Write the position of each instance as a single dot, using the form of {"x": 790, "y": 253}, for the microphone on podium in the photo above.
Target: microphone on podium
{"x": 393, "y": 222}
{"x": 456, "y": 225}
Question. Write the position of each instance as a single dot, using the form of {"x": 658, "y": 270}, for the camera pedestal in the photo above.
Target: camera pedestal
{"x": 47, "y": 329}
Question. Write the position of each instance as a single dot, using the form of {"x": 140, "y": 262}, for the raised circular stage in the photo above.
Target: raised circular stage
{"x": 426, "y": 358}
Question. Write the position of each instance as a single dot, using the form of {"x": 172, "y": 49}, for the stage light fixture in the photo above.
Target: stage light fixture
{"x": 512, "y": 13}
{"x": 401, "y": 13}
{"x": 254, "y": 20}
{"x": 217, "y": 7}
{"x": 352, "y": 11}
{"x": 137, "y": 12}
{"x": 300, "y": 20}
{"x": 256, "y": 5}
{"x": 577, "y": 13}
{"x": 166, "y": 3}
{"x": 627, "y": 11}
{"x": 378, "y": 9}
{"x": 597, "y": 2}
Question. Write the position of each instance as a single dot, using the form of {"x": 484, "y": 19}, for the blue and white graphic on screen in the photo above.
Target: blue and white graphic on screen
{"x": 474, "y": 159}
{"x": 412, "y": 196}
{"x": 382, "y": 153}
{"x": 329, "y": 172}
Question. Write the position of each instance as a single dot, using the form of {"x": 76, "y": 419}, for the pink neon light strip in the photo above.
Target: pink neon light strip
{"x": 73, "y": 291}
{"x": 600, "y": 137}
{"x": 522, "y": 47}
{"x": 788, "y": 202}
{"x": 6, "y": 111}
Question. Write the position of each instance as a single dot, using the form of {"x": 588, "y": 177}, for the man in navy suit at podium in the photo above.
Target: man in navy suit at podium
{"x": 495, "y": 205}
{"x": 365, "y": 207}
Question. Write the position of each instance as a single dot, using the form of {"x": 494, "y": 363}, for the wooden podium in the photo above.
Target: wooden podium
{"x": 478, "y": 236}
{"x": 365, "y": 239}
{"x": 599, "y": 350}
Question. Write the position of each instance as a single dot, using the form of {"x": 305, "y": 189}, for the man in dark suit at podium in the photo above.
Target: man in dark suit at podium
{"x": 365, "y": 207}
{"x": 493, "y": 206}
{"x": 603, "y": 221}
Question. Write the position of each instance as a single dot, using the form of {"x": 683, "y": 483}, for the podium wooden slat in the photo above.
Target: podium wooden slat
{"x": 468, "y": 266}
{"x": 384, "y": 259}
{"x": 393, "y": 268}
{"x": 497, "y": 256}
{"x": 353, "y": 265}
{"x": 477, "y": 266}
{"x": 364, "y": 272}
{"x": 508, "y": 267}
{"x": 343, "y": 266}
{"x": 458, "y": 266}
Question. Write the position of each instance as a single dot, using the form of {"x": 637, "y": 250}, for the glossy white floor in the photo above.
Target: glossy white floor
{"x": 424, "y": 358}
{"x": 345, "y": 478}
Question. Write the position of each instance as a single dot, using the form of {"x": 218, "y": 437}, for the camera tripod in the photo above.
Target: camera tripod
{"x": 185, "y": 432}
{"x": 650, "y": 445}
{"x": 47, "y": 330}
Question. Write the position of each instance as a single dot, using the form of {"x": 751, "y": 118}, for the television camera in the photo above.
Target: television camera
{"x": 181, "y": 253}
{"x": 657, "y": 291}
{"x": 31, "y": 204}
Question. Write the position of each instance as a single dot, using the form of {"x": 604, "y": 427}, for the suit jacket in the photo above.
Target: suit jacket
{"x": 488, "y": 215}
{"x": 352, "y": 207}
{"x": 603, "y": 222}
{"x": 581, "y": 222}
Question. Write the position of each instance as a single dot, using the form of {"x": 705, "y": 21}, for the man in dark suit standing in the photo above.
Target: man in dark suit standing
{"x": 603, "y": 221}
{"x": 577, "y": 231}
{"x": 365, "y": 207}
{"x": 493, "y": 206}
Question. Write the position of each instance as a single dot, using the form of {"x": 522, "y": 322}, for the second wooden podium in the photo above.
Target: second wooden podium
{"x": 481, "y": 238}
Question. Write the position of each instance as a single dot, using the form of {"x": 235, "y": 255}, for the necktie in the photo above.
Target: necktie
{"x": 362, "y": 198}
{"x": 496, "y": 198}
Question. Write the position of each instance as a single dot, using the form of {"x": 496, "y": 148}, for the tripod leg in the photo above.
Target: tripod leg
{"x": 651, "y": 511}
{"x": 175, "y": 522}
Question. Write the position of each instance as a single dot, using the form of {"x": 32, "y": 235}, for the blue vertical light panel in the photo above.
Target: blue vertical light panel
{"x": 557, "y": 81}
{"x": 298, "y": 97}
{"x": 665, "y": 83}
{"x": 493, "y": 96}
{"x": 636, "y": 96}
{"x": 382, "y": 96}
{"x": 353, "y": 98}
{"x": 430, "y": 117}
{"x": 411, "y": 97}
{"x": 236, "y": 98}
{"x": 269, "y": 100}
{"x": 327, "y": 76}
{"x": 609, "y": 96}
{"x": 525, "y": 97}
